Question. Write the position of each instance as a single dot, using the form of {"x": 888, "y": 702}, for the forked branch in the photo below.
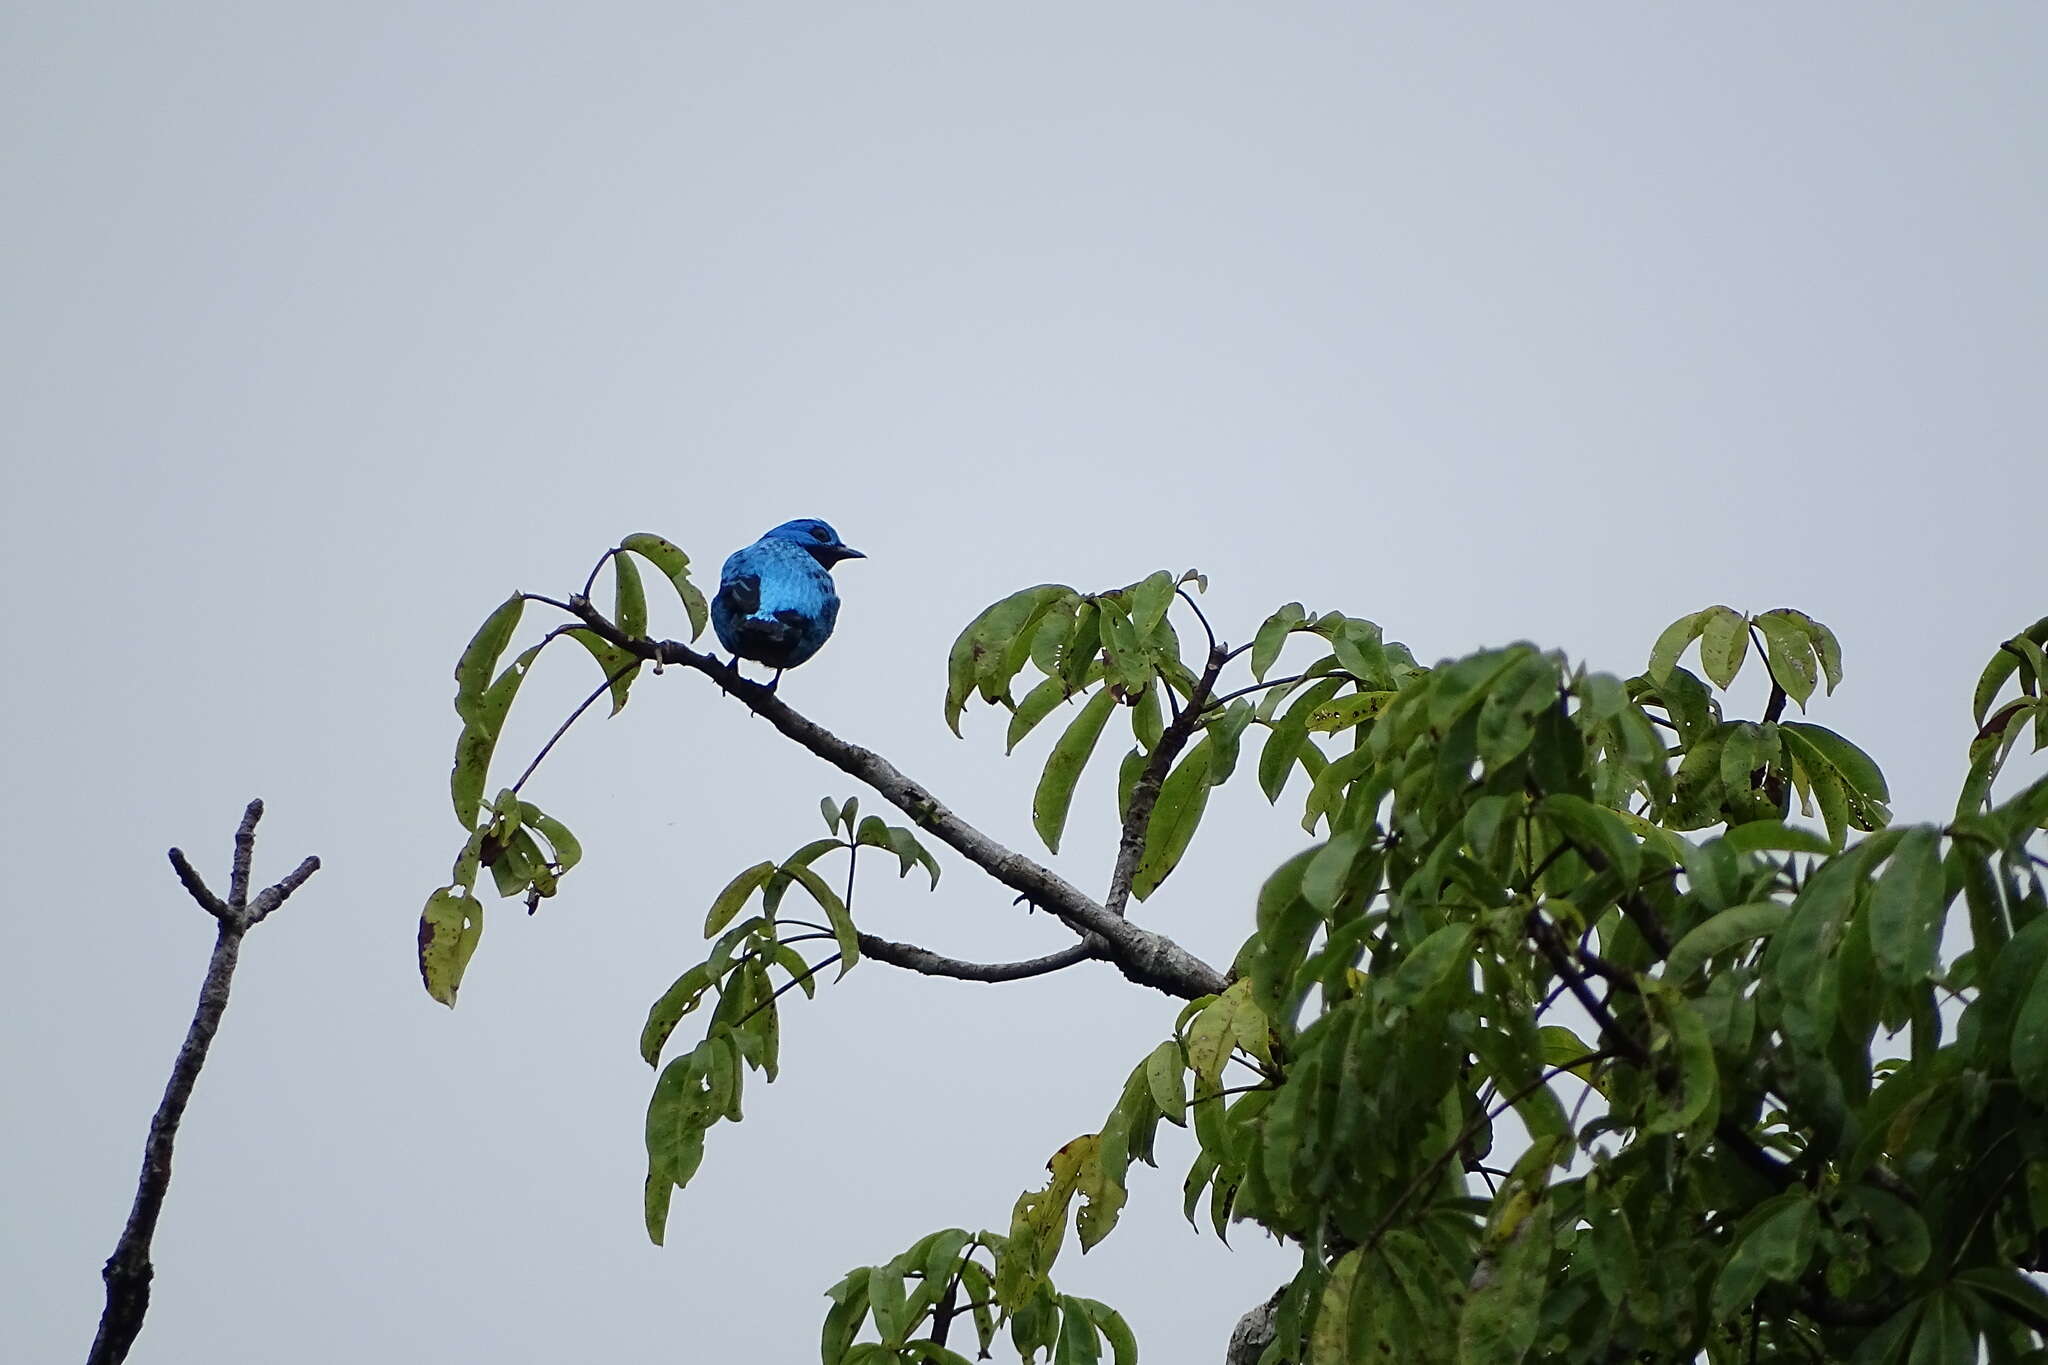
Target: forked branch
{"x": 128, "y": 1271}
{"x": 1148, "y": 958}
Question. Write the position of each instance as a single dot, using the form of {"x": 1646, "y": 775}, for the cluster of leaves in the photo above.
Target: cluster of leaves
{"x": 1119, "y": 650}
{"x": 702, "y": 1086}
{"x": 506, "y": 836}
{"x": 1511, "y": 926}
{"x": 948, "y": 1276}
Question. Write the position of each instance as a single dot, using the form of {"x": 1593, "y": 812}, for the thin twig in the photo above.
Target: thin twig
{"x": 597, "y": 569}
{"x": 128, "y": 1271}
{"x": 1195, "y": 607}
{"x": 574, "y": 716}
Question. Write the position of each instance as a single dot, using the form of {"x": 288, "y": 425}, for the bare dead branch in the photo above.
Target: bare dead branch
{"x": 245, "y": 850}
{"x": 128, "y": 1271}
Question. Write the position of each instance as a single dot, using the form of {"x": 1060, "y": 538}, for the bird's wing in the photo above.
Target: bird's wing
{"x": 742, "y": 592}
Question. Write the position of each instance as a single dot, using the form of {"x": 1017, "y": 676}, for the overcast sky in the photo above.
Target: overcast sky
{"x": 324, "y": 327}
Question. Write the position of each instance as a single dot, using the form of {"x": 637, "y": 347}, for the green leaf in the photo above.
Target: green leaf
{"x": 1857, "y": 767}
{"x": 1789, "y": 650}
{"x": 630, "y": 602}
{"x": 1724, "y": 642}
{"x": 1595, "y": 829}
{"x": 1230, "y": 1020}
{"x": 910, "y": 853}
{"x": 479, "y": 737}
{"x": 886, "y": 1302}
{"x": 1182, "y": 797}
{"x": 1353, "y": 708}
{"x": 1671, "y": 643}
{"x": 619, "y": 666}
{"x": 480, "y": 656}
{"x": 1122, "y": 1342}
{"x": 1430, "y": 964}
{"x": 1504, "y": 1312}
{"x": 1149, "y": 600}
{"x": 1898, "y": 1231}
{"x": 1324, "y": 878}
{"x": 568, "y": 852}
{"x": 1038, "y": 703}
{"x": 982, "y": 657}
{"x": 1077, "y": 1344}
{"x": 674, "y": 566}
{"x": 1696, "y": 1102}
{"x": 1069, "y": 756}
{"x": 450, "y": 926}
{"x": 1038, "y": 1224}
{"x": 2029, "y": 1048}
{"x": 1732, "y": 927}
{"x": 836, "y": 915}
{"x": 842, "y": 1321}
{"x": 1773, "y": 1247}
{"x": 735, "y": 895}
{"x": 1907, "y": 907}
{"x": 830, "y": 810}
{"x": 1348, "y": 1325}
{"x": 1945, "y": 1336}
{"x": 677, "y": 1001}
{"x": 1164, "y": 1072}
{"x": 1272, "y": 636}
{"x": 2008, "y": 1291}
{"x": 1758, "y": 835}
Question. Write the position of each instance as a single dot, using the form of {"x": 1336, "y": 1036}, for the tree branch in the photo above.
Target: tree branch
{"x": 128, "y": 1271}
{"x": 1144, "y": 957}
{"x": 924, "y": 960}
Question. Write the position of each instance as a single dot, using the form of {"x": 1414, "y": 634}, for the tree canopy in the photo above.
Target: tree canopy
{"x": 1597, "y": 1024}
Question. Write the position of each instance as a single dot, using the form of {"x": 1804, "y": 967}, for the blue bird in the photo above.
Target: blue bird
{"x": 776, "y": 604}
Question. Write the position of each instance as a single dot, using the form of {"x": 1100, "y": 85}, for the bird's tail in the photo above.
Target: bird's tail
{"x": 762, "y": 634}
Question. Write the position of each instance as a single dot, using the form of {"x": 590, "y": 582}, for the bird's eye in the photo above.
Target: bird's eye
{"x": 820, "y": 533}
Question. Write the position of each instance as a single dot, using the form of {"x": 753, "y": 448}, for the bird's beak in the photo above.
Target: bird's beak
{"x": 848, "y": 552}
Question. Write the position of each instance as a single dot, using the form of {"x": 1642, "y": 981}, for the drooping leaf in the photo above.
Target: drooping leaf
{"x": 480, "y": 656}
{"x": 836, "y": 914}
{"x": 1907, "y": 906}
{"x": 1731, "y": 928}
{"x": 1774, "y": 1244}
{"x": 1272, "y": 635}
{"x": 479, "y": 738}
{"x": 736, "y": 893}
{"x": 1503, "y": 1314}
{"x": 995, "y": 644}
{"x": 1055, "y": 794}
{"x": 1182, "y": 797}
{"x": 1789, "y": 649}
{"x": 675, "y": 1002}
{"x": 1672, "y": 642}
{"x": 674, "y": 566}
{"x": 629, "y": 610}
{"x": 1724, "y": 642}
{"x": 620, "y": 668}
{"x": 450, "y": 926}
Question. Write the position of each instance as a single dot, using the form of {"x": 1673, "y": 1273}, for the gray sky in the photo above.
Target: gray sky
{"x": 324, "y": 327}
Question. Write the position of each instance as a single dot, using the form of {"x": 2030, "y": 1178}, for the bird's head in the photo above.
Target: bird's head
{"x": 819, "y": 539}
